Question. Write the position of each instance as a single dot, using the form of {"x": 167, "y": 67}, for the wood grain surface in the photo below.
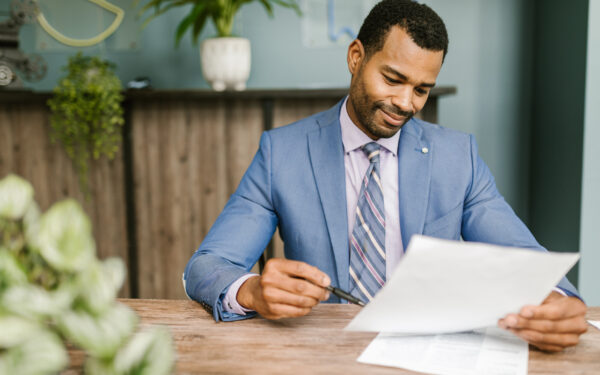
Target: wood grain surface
{"x": 314, "y": 344}
{"x": 26, "y": 150}
{"x": 189, "y": 157}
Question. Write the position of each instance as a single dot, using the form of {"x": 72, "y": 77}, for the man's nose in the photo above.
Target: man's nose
{"x": 403, "y": 98}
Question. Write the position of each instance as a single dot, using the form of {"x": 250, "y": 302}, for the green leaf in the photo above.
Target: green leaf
{"x": 158, "y": 11}
{"x": 99, "y": 284}
{"x": 101, "y": 336}
{"x": 65, "y": 237}
{"x": 195, "y": 15}
{"x": 150, "y": 352}
{"x": 15, "y": 330}
{"x": 199, "y": 25}
{"x": 35, "y": 303}
{"x": 293, "y": 4}
{"x": 16, "y": 194}
{"x": 268, "y": 7}
{"x": 11, "y": 272}
{"x": 42, "y": 354}
{"x": 222, "y": 12}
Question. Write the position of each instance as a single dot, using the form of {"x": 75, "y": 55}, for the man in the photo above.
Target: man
{"x": 348, "y": 187}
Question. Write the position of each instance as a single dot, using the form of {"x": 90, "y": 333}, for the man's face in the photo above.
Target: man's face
{"x": 392, "y": 85}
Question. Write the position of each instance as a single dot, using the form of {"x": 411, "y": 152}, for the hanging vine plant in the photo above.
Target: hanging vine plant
{"x": 86, "y": 113}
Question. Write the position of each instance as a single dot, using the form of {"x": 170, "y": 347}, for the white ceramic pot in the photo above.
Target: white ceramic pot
{"x": 226, "y": 62}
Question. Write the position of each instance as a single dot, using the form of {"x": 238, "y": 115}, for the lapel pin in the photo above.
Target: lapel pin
{"x": 424, "y": 150}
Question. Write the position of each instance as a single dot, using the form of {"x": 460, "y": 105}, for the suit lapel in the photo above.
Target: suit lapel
{"x": 327, "y": 159}
{"x": 414, "y": 177}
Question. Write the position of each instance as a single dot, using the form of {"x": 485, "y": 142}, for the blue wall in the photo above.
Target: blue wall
{"x": 280, "y": 60}
{"x": 490, "y": 62}
{"x": 589, "y": 274}
{"x": 487, "y": 61}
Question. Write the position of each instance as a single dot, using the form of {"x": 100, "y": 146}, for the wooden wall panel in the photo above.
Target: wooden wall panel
{"x": 286, "y": 111}
{"x": 188, "y": 158}
{"x": 26, "y": 150}
{"x": 244, "y": 128}
{"x": 189, "y": 151}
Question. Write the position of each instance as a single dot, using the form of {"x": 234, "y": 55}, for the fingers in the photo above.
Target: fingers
{"x": 289, "y": 289}
{"x": 547, "y": 341}
{"x": 310, "y": 298}
{"x": 299, "y": 270}
{"x": 552, "y": 326}
{"x": 555, "y": 309}
{"x": 549, "y": 348}
{"x": 279, "y": 311}
{"x": 570, "y": 325}
{"x": 297, "y": 278}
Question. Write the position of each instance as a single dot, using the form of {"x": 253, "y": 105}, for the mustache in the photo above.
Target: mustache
{"x": 395, "y": 110}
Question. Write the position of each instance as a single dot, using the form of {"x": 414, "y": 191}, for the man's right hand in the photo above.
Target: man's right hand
{"x": 286, "y": 288}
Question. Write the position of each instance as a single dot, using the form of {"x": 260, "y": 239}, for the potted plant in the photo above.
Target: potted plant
{"x": 55, "y": 295}
{"x": 225, "y": 59}
{"x": 86, "y": 112}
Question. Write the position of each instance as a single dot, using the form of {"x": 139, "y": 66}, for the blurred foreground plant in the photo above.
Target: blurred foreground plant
{"x": 54, "y": 290}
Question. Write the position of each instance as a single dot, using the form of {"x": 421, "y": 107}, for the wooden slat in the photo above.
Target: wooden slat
{"x": 26, "y": 150}
{"x": 188, "y": 158}
{"x": 287, "y": 111}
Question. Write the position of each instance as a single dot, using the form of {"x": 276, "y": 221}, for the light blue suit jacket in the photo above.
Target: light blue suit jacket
{"x": 297, "y": 182}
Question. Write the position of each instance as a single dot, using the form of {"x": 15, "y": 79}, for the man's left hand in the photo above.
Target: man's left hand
{"x": 552, "y": 326}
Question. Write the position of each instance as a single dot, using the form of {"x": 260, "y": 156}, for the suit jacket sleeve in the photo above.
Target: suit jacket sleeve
{"x": 237, "y": 238}
{"x": 488, "y": 218}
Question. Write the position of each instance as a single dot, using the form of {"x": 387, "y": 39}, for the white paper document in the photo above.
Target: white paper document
{"x": 595, "y": 323}
{"x": 443, "y": 286}
{"x": 486, "y": 352}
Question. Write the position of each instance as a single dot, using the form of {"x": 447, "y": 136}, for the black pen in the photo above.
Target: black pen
{"x": 345, "y": 295}
{"x": 340, "y": 293}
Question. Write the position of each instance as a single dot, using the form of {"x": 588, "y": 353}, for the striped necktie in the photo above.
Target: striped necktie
{"x": 367, "y": 243}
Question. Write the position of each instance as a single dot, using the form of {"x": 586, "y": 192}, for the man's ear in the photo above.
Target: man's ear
{"x": 356, "y": 56}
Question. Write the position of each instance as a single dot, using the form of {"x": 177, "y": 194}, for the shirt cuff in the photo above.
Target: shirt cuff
{"x": 558, "y": 290}
{"x": 230, "y": 303}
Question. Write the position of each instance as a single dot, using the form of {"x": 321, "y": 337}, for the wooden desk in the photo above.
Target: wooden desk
{"x": 314, "y": 344}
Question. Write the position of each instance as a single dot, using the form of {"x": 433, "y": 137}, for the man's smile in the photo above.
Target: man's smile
{"x": 392, "y": 119}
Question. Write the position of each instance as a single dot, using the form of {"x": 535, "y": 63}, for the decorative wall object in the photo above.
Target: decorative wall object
{"x": 12, "y": 59}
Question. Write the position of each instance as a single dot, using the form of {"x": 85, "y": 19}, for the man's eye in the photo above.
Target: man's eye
{"x": 421, "y": 91}
{"x": 391, "y": 80}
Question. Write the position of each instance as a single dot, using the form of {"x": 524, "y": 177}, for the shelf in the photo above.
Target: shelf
{"x": 14, "y": 96}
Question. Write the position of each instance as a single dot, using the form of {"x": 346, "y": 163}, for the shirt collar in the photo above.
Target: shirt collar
{"x": 353, "y": 137}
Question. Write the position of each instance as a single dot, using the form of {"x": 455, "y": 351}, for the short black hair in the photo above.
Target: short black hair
{"x": 419, "y": 21}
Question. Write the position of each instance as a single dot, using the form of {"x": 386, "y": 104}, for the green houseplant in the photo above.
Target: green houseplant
{"x": 225, "y": 59}
{"x": 86, "y": 112}
{"x": 221, "y": 12}
{"x": 54, "y": 291}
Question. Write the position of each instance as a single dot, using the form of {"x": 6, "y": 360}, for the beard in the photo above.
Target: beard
{"x": 365, "y": 109}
